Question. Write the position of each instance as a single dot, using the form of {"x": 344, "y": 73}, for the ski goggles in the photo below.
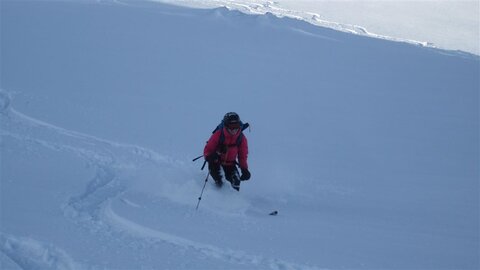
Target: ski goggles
{"x": 233, "y": 126}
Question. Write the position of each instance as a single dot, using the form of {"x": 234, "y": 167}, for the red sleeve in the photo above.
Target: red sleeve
{"x": 243, "y": 153}
{"x": 212, "y": 144}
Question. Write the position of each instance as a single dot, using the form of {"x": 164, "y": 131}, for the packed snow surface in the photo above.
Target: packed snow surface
{"x": 367, "y": 148}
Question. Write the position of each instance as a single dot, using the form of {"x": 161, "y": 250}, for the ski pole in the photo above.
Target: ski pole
{"x": 201, "y": 194}
{"x": 197, "y": 158}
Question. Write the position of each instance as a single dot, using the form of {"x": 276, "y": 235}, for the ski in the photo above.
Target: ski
{"x": 274, "y": 213}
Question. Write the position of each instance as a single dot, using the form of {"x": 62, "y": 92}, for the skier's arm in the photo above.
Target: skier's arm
{"x": 212, "y": 144}
{"x": 243, "y": 153}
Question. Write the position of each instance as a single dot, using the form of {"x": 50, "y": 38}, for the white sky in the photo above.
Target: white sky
{"x": 447, "y": 24}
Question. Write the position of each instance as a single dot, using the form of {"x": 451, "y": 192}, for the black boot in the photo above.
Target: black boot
{"x": 218, "y": 179}
{"x": 231, "y": 174}
{"x": 218, "y": 183}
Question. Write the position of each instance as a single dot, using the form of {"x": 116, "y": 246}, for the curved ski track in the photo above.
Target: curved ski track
{"x": 92, "y": 208}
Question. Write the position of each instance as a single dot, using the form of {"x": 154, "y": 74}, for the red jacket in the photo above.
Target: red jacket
{"x": 232, "y": 151}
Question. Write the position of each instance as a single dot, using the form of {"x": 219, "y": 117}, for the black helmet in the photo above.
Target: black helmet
{"x": 231, "y": 119}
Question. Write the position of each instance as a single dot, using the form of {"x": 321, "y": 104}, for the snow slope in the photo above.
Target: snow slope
{"x": 369, "y": 149}
{"x": 446, "y": 24}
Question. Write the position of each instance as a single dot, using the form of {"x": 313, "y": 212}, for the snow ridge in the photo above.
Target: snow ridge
{"x": 272, "y": 7}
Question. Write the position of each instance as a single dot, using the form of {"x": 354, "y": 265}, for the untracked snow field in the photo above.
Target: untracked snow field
{"x": 367, "y": 148}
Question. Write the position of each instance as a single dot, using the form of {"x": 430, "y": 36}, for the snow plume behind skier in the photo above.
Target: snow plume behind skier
{"x": 225, "y": 146}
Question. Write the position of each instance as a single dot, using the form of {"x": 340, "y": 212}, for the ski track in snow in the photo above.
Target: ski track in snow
{"x": 28, "y": 253}
{"x": 228, "y": 255}
{"x": 109, "y": 160}
{"x": 92, "y": 209}
{"x": 107, "y": 157}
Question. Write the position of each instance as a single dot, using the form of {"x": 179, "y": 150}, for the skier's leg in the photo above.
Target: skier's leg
{"x": 231, "y": 174}
{"x": 214, "y": 168}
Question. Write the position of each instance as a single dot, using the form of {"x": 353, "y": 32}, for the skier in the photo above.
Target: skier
{"x": 223, "y": 148}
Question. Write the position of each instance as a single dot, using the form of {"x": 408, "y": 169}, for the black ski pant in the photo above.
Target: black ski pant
{"x": 230, "y": 171}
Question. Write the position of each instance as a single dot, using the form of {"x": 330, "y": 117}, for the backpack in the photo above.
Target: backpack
{"x": 222, "y": 136}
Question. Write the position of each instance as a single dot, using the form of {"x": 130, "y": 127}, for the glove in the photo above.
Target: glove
{"x": 245, "y": 175}
{"x": 212, "y": 158}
